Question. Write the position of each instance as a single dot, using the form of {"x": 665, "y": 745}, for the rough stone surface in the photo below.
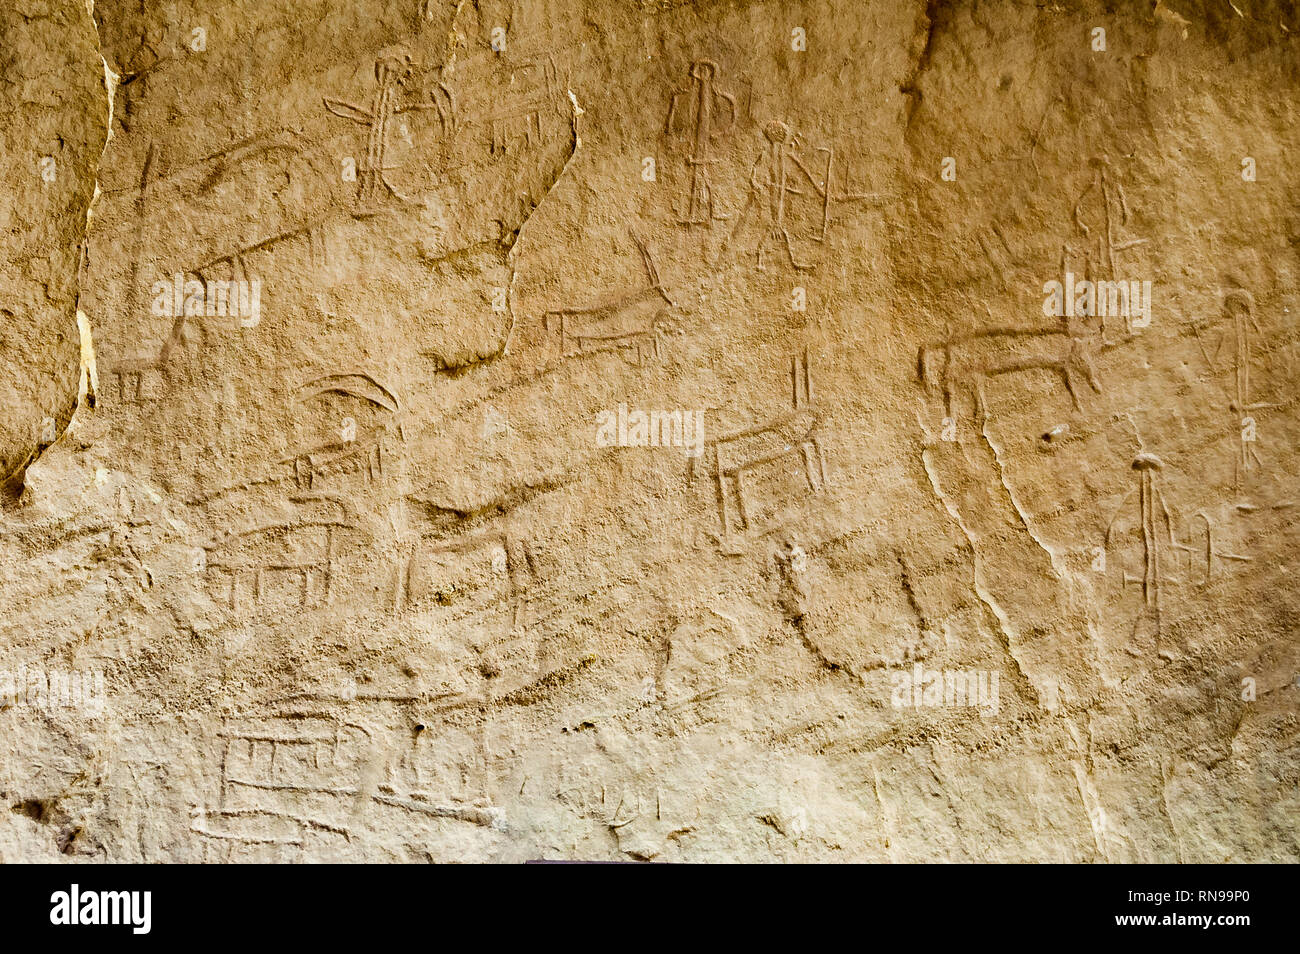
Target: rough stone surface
{"x": 344, "y": 566}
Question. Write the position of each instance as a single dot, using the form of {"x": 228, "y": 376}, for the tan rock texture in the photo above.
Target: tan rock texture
{"x": 439, "y": 430}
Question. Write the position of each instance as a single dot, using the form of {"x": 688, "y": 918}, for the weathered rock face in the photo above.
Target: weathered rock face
{"x": 55, "y": 107}
{"x": 767, "y": 431}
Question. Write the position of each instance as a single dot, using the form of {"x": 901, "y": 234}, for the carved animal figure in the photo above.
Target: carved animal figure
{"x": 628, "y": 321}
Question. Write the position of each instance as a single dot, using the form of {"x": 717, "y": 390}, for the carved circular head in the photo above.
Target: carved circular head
{"x": 1238, "y": 298}
{"x": 776, "y": 132}
{"x": 704, "y": 69}
{"x": 393, "y": 65}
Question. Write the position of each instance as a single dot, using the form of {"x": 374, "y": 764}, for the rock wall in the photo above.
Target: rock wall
{"x": 463, "y": 430}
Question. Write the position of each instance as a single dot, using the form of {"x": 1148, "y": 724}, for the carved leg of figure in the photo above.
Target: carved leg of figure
{"x": 741, "y": 219}
{"x": 789, "y": 249}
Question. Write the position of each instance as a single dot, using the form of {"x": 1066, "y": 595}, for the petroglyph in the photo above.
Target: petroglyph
{"x": 627, "y": 323}
{"x": 1161, "y": 553}
{"x": 792, "y": 191}
{"x": 751, "y": 467}
{"x": 967, "y": 363}
{"x": 700, "y": 115}
{"x": 501, "y": 430}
